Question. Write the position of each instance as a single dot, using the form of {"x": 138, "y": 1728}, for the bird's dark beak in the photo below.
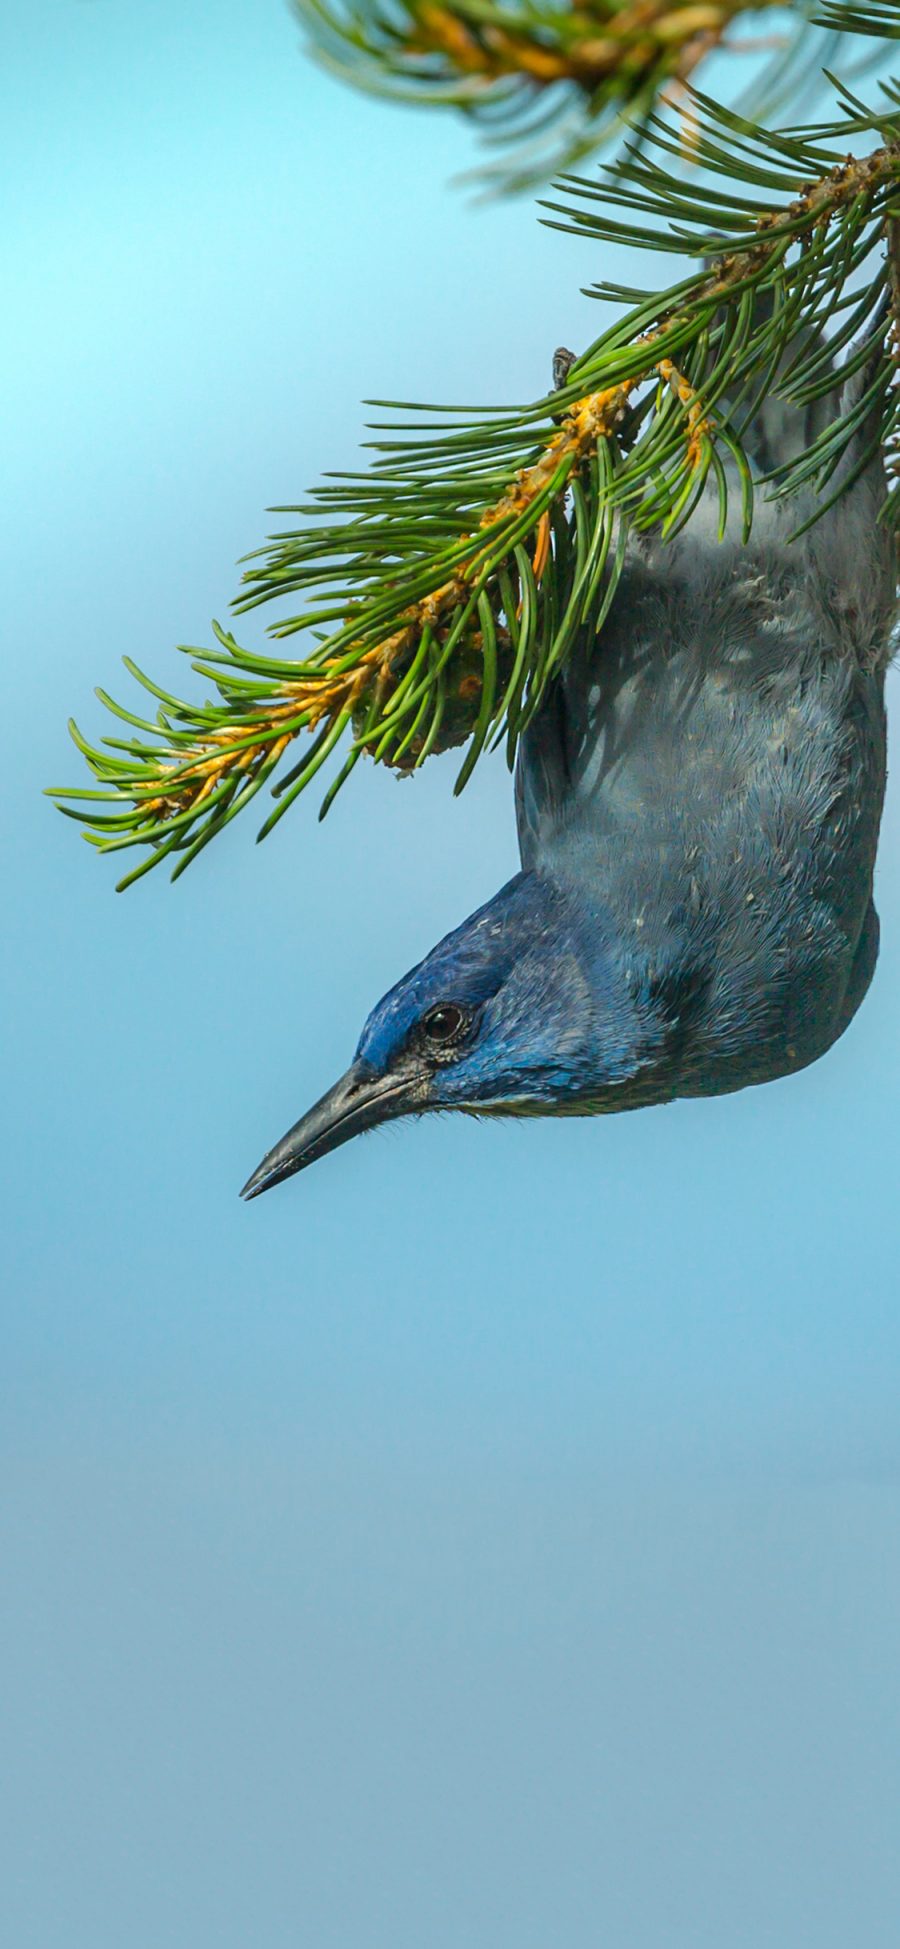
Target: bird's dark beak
{"x": 360, "y": 1100}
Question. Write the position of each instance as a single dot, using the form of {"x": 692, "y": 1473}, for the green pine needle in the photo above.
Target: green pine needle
{"x": 441, "y": 592}
{"x": 549, "y": 83}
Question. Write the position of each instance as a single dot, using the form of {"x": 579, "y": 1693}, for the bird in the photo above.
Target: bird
{"x": 698, "y": 802}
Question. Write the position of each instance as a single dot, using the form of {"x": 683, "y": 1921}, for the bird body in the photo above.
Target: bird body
{"x": 713, "y": 766}
{"x": 698, "y": 803}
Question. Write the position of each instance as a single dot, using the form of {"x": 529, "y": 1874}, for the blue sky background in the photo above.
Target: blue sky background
{"x": 489, "y": 1541}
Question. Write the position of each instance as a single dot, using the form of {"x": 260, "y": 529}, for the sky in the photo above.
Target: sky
{"x": 491, "y": 1539}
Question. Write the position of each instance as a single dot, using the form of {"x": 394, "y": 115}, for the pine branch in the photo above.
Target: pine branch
{"x": 444, "y": 589}
{"x": 876, "y": 18}
{"x": 547, "y": 82}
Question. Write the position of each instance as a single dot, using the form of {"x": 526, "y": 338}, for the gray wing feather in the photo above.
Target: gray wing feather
{"x": 619, "y": 724}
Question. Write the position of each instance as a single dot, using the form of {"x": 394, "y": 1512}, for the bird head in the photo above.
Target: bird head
{"x": 527, "y": 1009}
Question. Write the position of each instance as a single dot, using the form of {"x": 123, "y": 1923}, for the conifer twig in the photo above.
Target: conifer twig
{"x": 453, "y": 579}
{"x": 548, "y": 80}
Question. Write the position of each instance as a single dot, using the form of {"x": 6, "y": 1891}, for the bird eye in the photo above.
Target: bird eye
{"x": 445, "y": 1023}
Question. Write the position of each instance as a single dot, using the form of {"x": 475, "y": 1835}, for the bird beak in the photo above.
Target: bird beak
{"x": 356, "y": 1103}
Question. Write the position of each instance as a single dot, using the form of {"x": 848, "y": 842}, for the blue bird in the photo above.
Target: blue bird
{"x": 698, "y": 803}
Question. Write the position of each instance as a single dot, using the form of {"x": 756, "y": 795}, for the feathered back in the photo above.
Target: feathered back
{"x": 712, "y": 765}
